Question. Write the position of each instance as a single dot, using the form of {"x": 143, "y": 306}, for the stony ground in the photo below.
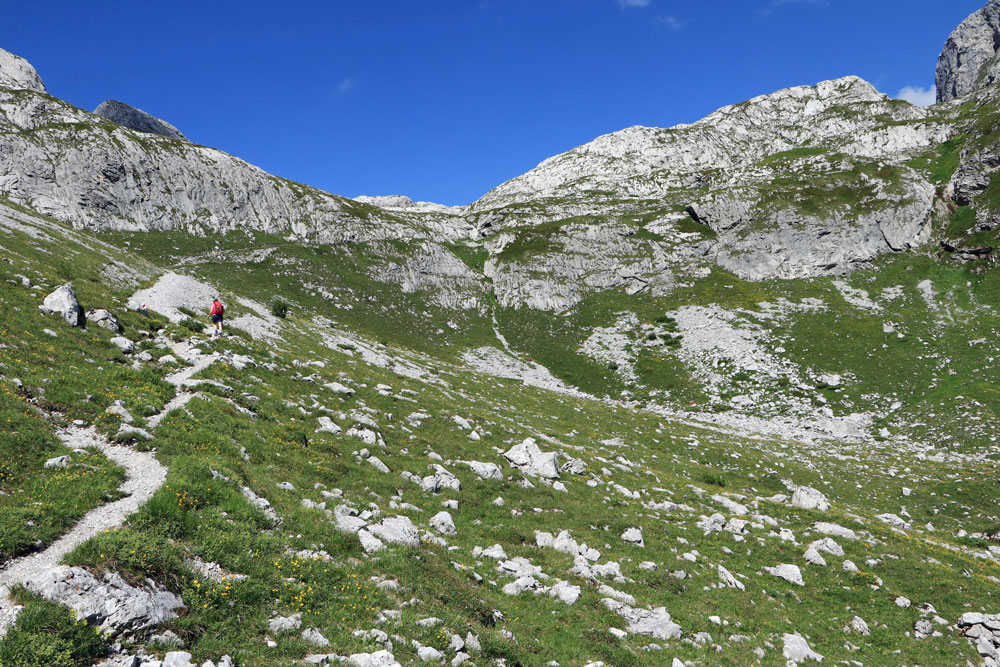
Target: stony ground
{"x": 332, "y": 497}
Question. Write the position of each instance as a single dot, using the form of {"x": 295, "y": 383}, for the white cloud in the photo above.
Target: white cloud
{"x": 916, "y": 95}
{"x": 671, "y": 22}
{"x": 625, "y": 4}
{"x": 345, "y": 86}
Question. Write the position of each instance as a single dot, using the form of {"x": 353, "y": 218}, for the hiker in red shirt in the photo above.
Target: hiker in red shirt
{"x": 217, "y": 311}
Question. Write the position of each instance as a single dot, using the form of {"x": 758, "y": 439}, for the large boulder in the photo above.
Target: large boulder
{"x": 107, "y": 602}
{"x": 531, "y": 460}
{"x": 16, "y": 72}
{"x": 970, "y": 59}
{"x": 63, "y": 302}
{"x": 136, "y": 119}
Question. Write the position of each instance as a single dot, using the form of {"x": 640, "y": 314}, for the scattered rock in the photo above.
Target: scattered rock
{"x": 283, "y": 624}
{"x": 633, "y": 536}
{"x": 653, "y": 622}
{"x": 57, "y": 462}
{"x": 808, "y": 498}
{"x": 104, "y": 319}
{"x": 123, "y": 344}
{"x": 315, "y": 637}
{"x": 395, "y": 530}
{"x": 797, "y": 650}
{"x": 790, "y": 573}
{"x": 443, "y": 523}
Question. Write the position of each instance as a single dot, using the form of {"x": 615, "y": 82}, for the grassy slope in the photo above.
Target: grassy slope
{"x": 199, "y": 514}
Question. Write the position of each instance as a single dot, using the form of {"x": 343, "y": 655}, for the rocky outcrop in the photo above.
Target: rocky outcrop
{"x": 580, "y": 258}
{"x": 802, "y": 182}
{"x": 17, "y": 73}
{"x": 430, "y": 267}
{"x": 847, "y": 115}
{"x": 136, "y": 119}
{"x": 108, "y": 602}
{"x": 984, "y": 631}
{"x": 970, "y": 59}
{"x": 820, "y": 235}
{"x": 78, "y": 168}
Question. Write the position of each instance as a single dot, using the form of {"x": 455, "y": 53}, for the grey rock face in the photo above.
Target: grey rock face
{"x": 136, "y": 119}
{"x": 430, "y": 267}
{"x": 580, "y": 259}
{"x": 970, "y": 58}
{"x": 16, "y": 72}
{"x": 110, "y": 603}
{"x": 92, "y": 176}
{"x": 63, "y": 302}
{"x": 760, "y": 236}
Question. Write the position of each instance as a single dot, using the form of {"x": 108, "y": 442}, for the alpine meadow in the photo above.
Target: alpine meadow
{"x": 723, "y": 393}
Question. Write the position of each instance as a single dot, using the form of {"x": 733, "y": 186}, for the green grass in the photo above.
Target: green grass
{"x": 201, "y": 511}
{"x": 941, "y": 163}
{"x": 38, "y": 504}
{"x": 47, "y": 635}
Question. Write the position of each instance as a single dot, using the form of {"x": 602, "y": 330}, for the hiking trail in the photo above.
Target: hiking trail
{"x": 143, "y": 476}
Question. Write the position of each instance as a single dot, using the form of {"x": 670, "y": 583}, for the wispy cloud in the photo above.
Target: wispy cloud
{"x": 626, "y": 4}
{"x": 670, "y": 22}
{"x": 345, "y": 86}
{"x": 917, "y": 95}
{"x": 773, "y": 5}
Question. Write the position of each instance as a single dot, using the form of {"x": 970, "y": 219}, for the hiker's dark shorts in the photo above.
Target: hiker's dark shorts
{"x": 216, "y": 319}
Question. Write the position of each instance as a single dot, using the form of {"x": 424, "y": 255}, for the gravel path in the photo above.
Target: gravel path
{"x": 143, "y": 476}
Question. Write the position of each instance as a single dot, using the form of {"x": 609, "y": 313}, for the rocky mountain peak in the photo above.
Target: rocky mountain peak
{"x": 16, "y": 72}
{"x": 970, "y": 59}
{"x": 136, "y": 119}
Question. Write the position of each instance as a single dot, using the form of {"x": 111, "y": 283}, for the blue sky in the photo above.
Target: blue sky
{"x": 443, "y": 100}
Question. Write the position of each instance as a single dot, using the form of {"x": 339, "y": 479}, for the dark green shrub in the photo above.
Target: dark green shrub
{"x": 279, "y": 308}
{"x": 193, "y": 325}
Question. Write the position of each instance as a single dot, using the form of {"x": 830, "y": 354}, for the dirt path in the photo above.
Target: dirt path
{"x": 143, "y": 476}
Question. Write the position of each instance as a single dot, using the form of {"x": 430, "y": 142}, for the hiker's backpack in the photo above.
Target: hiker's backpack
{"x": 217, "y": 308}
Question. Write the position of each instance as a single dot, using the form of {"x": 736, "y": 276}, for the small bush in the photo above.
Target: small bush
{"x": 714, "y": 480}
{"x": 193, "y": 324}
{"x": 279, "y": 308}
